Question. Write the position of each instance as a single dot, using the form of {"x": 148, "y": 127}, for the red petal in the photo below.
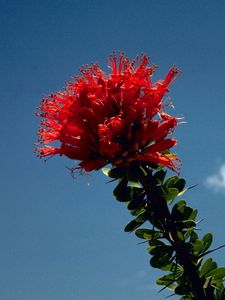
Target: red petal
{"x": 161, "y": 145}
{"x": 91, "y": 165}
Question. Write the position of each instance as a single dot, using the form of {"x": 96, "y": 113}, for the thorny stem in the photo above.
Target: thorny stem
{"x": 161, "y": 211}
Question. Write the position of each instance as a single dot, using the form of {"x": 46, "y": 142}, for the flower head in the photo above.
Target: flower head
{"x": 112, "y": 118}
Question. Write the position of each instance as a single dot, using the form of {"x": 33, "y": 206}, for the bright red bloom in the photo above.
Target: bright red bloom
{"x": 116, "y": 118}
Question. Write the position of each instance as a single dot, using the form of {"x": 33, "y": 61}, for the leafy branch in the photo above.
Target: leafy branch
{"x": 173, "y": 242}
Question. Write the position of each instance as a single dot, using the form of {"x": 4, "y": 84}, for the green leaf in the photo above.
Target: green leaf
{"x": 170, "y": 194}
{"x": 134, "y": 172}
{"x": 166, "y": 279}
{"x": 120, "y": 191}
{"x": 134, "y": 184}
{"x": 180, "y": 235}
{"x": 220, "y": 293}
{"x": 141, "y": 217}
{"x": 134, "y": 224}
{"x": 218, "y": 273}
{"x": 155, "y": 242}
{"x": 207, "y": 282}
{"x": 182, "y": 192}
{"x": 176, "y": 206}
{"x": 188, "y": 223}
{"x": 187, "y": 213}
{"x": 193, "y": 215}
{"x": 161, "y": 255}
{"x": 175, "y": 182}
{"x": 207, "y": 241}
{"x": 181, "y": 212}
{"x": 125, "y": 193}
{"x": 188, "y": 233}
{"x": 182, "y": 290}
{"x": 180, "y": 184}
{"x": 159, "y": 261}
{"x": 161, "y": 250}
{"x": 171, "y": 181}
{"x": 173, "y": 267}
{"x": 159, "y": 176}
{"x": 117, "y": 173}
{"x": 208, "y": 266}
{"x": 137, "y": 212}
{"x": 193, "y": 237}
{"x": 198, "y": 247}
{"x": 131, "y": 226}
{"x": 137, "y": 202}
{"x": 106, "y": 171}
{"x": 148, "y": 234}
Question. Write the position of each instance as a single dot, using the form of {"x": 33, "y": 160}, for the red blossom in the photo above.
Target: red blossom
{"x": 116, "y": 118}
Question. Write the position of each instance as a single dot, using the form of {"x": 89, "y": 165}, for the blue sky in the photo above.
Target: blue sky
{"x": 63, "y": 238}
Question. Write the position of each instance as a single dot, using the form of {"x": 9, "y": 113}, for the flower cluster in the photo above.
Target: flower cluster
{"x": 112, "y": 118}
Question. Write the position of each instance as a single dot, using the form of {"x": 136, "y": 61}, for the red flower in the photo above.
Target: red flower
{"x": 116, "y": 118}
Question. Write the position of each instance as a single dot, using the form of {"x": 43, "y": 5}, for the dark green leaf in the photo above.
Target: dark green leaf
{"x": 120, "y": 191}
{"x": 117, "y": 173}
{"x": 159, "y": 261}
{"x": 181, "y": 212}
{"x": 137, "y": 202}
{"x": 141, "y": 217}
{"x": 159, "y": 176}
{"x": 132, "y": 226}
{"x": 155, "y": 242}
{"x": 125, "y": 193}
{"x": 180, "y": 184}
{"x": 187, "y": 213}
{"x": 182, "y": 290}
{"x": 176, "y": 206}
{"x": 161, "y": 250}
{"x": 188, "y": 223}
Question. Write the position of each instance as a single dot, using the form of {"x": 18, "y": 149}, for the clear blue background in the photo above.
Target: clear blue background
{"x": 63, "y": 238}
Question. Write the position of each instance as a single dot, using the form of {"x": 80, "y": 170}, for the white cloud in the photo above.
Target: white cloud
{"x": 217, "y": 181}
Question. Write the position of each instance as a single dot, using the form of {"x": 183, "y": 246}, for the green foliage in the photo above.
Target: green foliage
{"x": 173, "y": 242}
